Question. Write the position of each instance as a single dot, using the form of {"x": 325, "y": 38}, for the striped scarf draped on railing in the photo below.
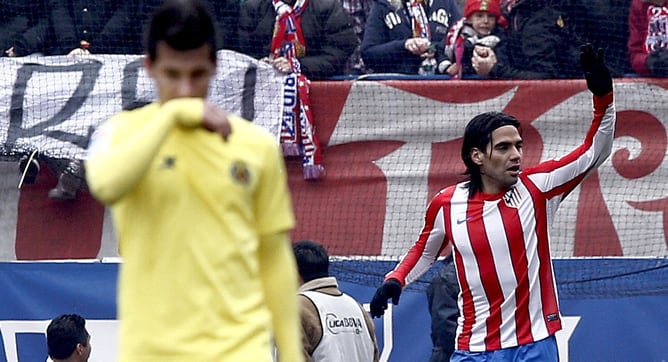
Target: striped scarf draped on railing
{"x": 297, "y": 126}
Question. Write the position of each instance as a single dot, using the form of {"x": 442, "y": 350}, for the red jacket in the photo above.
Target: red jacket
{"x": 641, "y": 42}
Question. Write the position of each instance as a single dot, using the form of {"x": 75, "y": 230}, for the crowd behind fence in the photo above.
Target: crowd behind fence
{"x": 352, "y": 38}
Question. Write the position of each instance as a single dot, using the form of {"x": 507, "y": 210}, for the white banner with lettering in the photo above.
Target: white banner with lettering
{"x": 52, "y": 104}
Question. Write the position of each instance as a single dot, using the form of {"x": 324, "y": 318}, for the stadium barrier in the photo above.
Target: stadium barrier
{"x": 597, "y": 327}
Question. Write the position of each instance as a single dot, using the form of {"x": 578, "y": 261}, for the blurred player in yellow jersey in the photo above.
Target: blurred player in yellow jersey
{"x": 202, "y": 212}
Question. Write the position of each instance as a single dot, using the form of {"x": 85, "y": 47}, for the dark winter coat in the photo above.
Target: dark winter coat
{"x": 539, "y": 44}
{"x": 111, "y": 27}
{"x": 605, "y": 24}
{"x": 442, "y": 295}
{"x": 327, "y": 28}
{"x": 389, "y": 26}
{"x": 225, "y": 15}
{"x": 24, "y": 26}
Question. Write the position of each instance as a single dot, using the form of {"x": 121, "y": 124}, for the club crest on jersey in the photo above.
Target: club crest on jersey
{"x": 512, "y": 197}
{"x": 240, "y": 173}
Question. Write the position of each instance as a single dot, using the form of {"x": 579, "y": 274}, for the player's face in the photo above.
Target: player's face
{"x": 482, "y": 22}
{"x": 500, "y": 163}
{"x": 181, "y": 73}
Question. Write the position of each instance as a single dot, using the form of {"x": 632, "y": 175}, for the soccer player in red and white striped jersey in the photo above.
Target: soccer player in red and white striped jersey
{"x": 498, "y": 222}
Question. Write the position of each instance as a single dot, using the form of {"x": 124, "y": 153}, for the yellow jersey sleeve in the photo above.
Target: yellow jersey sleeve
{"x": 124, "y": 147}
{"x": 279, "y": 280}
{"x": 273, "y": 204}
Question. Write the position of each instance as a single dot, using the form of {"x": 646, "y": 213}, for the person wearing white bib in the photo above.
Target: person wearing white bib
{"x": 335, "y": 327}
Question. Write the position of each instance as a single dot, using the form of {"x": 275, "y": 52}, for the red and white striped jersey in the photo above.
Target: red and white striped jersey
{"x": 501, "y": 245}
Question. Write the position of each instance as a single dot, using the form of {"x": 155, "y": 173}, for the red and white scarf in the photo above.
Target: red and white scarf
{"x": 419, "y": 19}
{"x": 456, "y": 41}
{"x": 417, "y": 11}
{"x": 297, "y": 126}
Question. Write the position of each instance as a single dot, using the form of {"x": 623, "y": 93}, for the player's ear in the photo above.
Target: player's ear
{"x": 148, "y": 65}
{"x": 476, "y": 156}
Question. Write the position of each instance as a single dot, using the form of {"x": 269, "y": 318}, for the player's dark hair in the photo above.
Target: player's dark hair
{"x": 183, "y": 25}
{"x": 64, "y": 333}
{"x": 312, "y": 260}
{"x": 478, "y": 134}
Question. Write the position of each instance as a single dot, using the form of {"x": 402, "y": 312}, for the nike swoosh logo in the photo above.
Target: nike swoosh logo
{"x": 461, "y": 221}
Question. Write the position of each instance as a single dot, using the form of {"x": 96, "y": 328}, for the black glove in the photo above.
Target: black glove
{"x": 597, "y": 74}
{"x": 391, "y": 288}
{"x": 657, "y": 62}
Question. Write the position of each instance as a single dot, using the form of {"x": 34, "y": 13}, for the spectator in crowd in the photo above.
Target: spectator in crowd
{"x": 359, "y": 11}
{"x": 539, "y": 45}
{"x": 201, "y": 206}
{"x": 498, "y": 224}
{"x": 114, "y": 27}
{"x": 478, "y": 27}
{"x": 407, "y": 36}
{"x": 29, "y": 169}
{"x": 95, "y": 26}
{"x": 70, "y": 174}
{"x": 78, "y": 27}
{"x": 442, "y": 295}
{"x": 324, "y": 36}
{"x": 648, "y": 37}
{"x": 70, "y": 180}
{"x": 24, "y": 27}
{"x": 226, "y": 20}
{"x": 320, "y": 300}
{"x": 67, "y": 339}
{"x": 604, "y": 23}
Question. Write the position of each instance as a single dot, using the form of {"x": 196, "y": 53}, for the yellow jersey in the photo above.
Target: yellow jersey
{"x": 190, "y": 213}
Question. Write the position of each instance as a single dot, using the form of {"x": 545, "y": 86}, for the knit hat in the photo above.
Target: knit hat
{"x": 491, "y": 6}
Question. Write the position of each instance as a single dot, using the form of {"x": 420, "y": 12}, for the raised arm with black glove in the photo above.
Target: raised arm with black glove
{"x": 391, "y": 288}
{"x": 596, "y": 72}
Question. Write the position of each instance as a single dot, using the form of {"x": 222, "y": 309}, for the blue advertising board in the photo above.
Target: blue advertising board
{"x": 600, "y": 324}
